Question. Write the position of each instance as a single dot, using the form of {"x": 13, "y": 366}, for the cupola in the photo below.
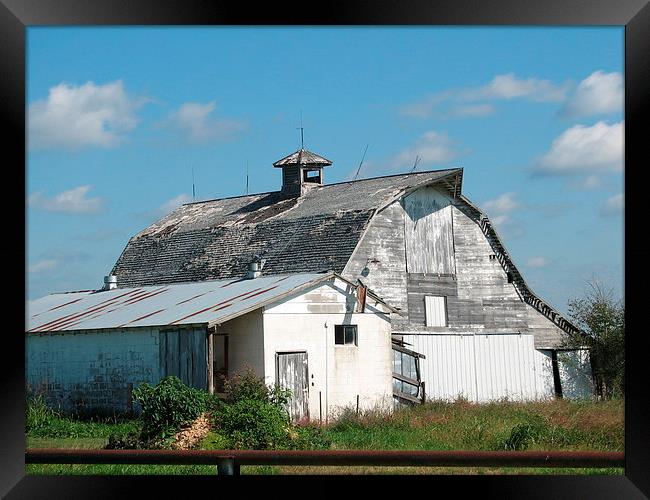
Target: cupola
{"x": 301, "y": 171}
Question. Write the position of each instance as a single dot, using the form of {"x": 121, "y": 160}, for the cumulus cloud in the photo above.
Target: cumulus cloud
{"x": 599, "y": 93}
{"x": 537, "y": 262}
{"x": 582, "y": 149}
{"x": 195, "y": 123}
{"x": 613, "y": 206}
{"x": 500, "y": 208}
{"x": 73, "y": 201}
{"x": 501, "y": 87}
{"x": 430, "y": 147}
{"x": 73, "y": 117}
{"x": 174, "y": 203}
{"x": 43, "y": 265}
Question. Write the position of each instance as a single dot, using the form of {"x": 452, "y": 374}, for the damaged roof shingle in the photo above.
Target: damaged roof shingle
{"x": 218, "y": 239}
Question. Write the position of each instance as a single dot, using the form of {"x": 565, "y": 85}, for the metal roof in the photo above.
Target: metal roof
{"x": 205, "y": 302}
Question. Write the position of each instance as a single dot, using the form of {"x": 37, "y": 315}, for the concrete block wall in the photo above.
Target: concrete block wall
{"x": 91, "y": 371}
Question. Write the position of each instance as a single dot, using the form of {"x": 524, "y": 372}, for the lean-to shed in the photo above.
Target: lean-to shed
{"x": 325, "y": 338}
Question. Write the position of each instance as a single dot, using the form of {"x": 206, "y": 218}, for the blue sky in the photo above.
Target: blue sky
{"x": 119, "y": 118}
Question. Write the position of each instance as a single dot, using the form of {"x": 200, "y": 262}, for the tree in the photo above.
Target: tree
{"x": 601, "y": 319}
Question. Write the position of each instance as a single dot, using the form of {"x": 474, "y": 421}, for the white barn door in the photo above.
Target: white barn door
{"x": 292, "y": 373}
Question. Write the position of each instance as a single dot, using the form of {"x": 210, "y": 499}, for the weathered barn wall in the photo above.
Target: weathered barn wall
{"x": 428, "y": 232}
{"x": 379, "y": 260}
{"x": 482, "y": 367}
{"x": 183, "y": 353}
{"x": 90, "y": 370}
{"x": 338, "y": 372}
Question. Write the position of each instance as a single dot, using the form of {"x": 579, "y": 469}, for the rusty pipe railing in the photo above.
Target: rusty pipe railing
{"x": 229, "y": 461}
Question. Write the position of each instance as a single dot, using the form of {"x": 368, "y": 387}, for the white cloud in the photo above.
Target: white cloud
{"x": 500, "y": 208}
{"x": 613, "y": 206}
{"x": 431, "y": 147}
{"x": 43, "y": 265}
{"x": 473, "y": 110}
{"x": 588, "y": 183}
{"x": 174, "y": 203}
{"x": 582, "y": 149}
{"x": 73, "y": 117}
{"x": 537, "y": 262}
{"x": 73, "y": 201}
{"x": 501, "y": 87}
{"x": 193, "y": 122}
{"x": 597, "y": 94}
{"x": 510, "y": 86}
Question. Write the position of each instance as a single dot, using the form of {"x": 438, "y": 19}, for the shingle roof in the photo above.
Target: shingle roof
{"x": 218, "y": 239}
{"x": 303, "y": 157}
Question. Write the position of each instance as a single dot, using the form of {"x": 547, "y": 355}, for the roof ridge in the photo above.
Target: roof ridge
{"x": 327, "y": 185}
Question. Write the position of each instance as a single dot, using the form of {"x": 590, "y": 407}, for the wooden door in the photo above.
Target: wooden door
{"x": 292, "y": 373}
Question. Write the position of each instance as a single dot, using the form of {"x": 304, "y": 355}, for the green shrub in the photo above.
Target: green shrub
{"x": 254, "y": 424}
{"x": 247, "y": 385}
{"x": 38, "y": 415}
{"x": 525, "y": 434}
{"x": 309, "y": 437}
{"x": 124, "y": 441}
{"x": 168, "y": 406}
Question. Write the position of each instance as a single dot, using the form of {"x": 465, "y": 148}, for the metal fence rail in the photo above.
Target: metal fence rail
{"x": 229, "y": 461}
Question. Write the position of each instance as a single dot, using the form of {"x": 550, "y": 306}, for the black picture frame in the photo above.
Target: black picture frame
{"x": 16, "y": 15}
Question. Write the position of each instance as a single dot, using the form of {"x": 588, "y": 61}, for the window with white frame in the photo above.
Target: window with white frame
{"x": 435, "y": 310}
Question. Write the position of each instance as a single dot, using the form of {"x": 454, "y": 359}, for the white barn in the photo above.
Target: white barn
{"x": 323, "y": 337}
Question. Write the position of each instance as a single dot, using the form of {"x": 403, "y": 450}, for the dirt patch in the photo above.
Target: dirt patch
{"x": 187, "y": 438}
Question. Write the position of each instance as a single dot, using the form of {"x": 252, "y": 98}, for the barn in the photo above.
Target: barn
{"x": 462, "y": 321}
{"x": 323, "y": 337}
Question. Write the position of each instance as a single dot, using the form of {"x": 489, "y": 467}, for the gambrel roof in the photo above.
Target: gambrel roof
{"x": 217, "y": 239}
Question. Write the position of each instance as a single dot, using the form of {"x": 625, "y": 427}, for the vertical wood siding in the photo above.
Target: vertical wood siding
{"x": 436, "y": 311}
{"x": 293, "y": 373}
{"x": 183, "y": 353}
{"x": 428, "y": 233}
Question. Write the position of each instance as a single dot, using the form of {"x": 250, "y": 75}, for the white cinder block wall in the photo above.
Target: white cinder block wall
{"x": 91, "y": 369}
{"x": 338, "y": 372}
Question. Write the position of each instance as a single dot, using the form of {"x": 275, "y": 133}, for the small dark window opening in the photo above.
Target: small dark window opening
{"x": 311, "y": 176}
{"x": 345, "y": 335}
{"x": 493, "y": 257}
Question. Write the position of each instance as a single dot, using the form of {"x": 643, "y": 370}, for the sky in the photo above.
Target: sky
{"x": 122, "y": 122}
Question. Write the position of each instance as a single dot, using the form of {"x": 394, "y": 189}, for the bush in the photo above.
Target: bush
{"x": 246, "y": 385}
{"x": 124, "y": 441}
{"x": 309, "y": 437}
{"x": 38, "y": 415}
{"x": 168, "y": 406}
{"x": 524, "y": 434}
{"x": 254, "y": 424}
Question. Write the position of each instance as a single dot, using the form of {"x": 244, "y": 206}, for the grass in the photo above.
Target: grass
{"x": 550, "y": 425}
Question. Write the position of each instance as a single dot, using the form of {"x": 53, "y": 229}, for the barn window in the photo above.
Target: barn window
{"x": 435, "y": 309}
{"x": 345, "y": 335}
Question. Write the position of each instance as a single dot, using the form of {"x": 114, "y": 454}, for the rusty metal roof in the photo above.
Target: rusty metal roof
{"x": 206, "y": 302}
{"x": 302, "y": 157}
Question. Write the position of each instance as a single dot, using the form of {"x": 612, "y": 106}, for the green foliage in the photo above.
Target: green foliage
{"x": 254, "y": 424}
{"x": 38, "y": 415}
{"x": 124, "y": 441}
{"x": 247, "y": 385}
{"x": 168, "y": 406}
{"x": 309, "y": 437}
{"x": 524, "y": 434}
{"x": 602, "y": 319}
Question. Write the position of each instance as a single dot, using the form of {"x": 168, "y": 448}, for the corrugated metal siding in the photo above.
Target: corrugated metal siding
{"x": 436, "y": 310}
{"x": 479, "y": 367}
